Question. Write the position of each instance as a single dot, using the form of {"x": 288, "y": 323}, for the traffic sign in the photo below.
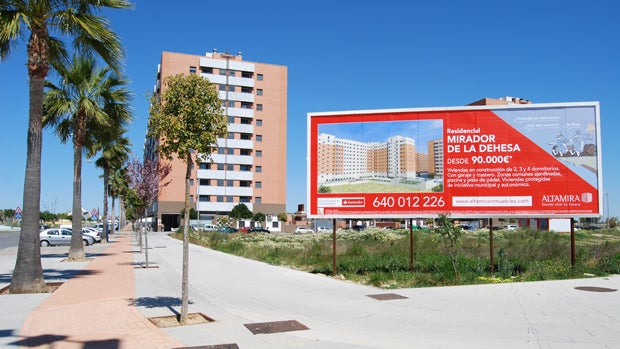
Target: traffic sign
{"x": 18, "y": 210}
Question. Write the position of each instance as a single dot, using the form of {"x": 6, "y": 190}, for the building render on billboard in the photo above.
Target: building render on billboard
{"x": 350, "y": 160}
{"x": 249, "y": 165}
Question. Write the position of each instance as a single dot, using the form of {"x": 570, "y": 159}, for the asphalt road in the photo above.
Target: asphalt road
{"x": 9, "y": 239}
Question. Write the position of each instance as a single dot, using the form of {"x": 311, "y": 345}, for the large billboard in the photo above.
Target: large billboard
{"x": 532, "y": 160}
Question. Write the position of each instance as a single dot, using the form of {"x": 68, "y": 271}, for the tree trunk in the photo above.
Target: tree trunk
{"x": 76, "y": 251}
{"x": 146, "y": 245}
{"x": 28, "y": 272}
{"x": 141, "y": 226}
{"x": 185, "y": 278}
{"x": 113, "y": 221}
{"x": 121, "y": 211}
{"x": 104, "y": 231}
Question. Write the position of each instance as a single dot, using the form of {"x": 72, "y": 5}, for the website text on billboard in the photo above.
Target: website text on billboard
{"x": 516, "y": 160}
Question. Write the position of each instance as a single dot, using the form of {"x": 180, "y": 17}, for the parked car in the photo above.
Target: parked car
{"x": 54, "y": 237}
{"x": 259, "y": 230}
{"x": 510, "y": 227}
{"x": 92, "y": 232}
{"x": 228, "y": 230}
{"x": 592, "y": 227}
{"x": 303, "y": 230}
{"x": 43, "y": 227}
{"x": 209, "y": 227}
{"x": 323, "y": 229}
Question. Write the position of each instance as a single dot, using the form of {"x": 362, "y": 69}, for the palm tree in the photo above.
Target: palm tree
{"x": 90, "y": 33}
{"x": 87, "y": 100}
{"x": 115, "y": 151}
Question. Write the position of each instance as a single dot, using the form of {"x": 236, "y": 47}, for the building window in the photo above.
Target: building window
{"x": 231, "y": 135}
{"x": 220, "y": 150}
{"x": 259, "y": 107}
{"x": 231, "y": 104}
{"x": 222, "y": 87}
{"x": 244, "y": 168}
{"x": 220, "y": 198}
{"x": 220, "y": 182}
{"x": 206, "y": 70}
{"x": 245, "y": 152}
{"x": 259, "y": 168}
{"x": 231, "y": 88}
{"x": 230, "y": 167}
{"x": 191, "y": 198}
{"x": 258, "y": 185}
{"x": 204, "y": 181}
{"x": 203, "y": 166}
{"x": 258, "y": 200}
{"x": 230, "y": 183}
{"x": 229, "y": 198}
{"x": 259, "y": 92}
{"x": 231, "y": 120}
{"x": 259, "y": 153}
{"x": 244, "y": 199}
{"x": 192, "y": 70}
{"x": 259, "y": 77}
{"x": 222, "y": 71}
{"x": 204, "y": 198}
{"x": 259, "y": 138}
{"x": 259, "y": 122}
{"x": 230, "y": 151}
{"x": 191, "y": 181}
{"x": 231, "y": 73}
{"x": 220, "y": 167}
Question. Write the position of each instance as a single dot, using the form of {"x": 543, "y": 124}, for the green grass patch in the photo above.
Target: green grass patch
{"x": 381, "y": 257}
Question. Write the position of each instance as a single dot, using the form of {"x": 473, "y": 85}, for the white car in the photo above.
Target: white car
{"x": 92, "y": 232}
{"x": 510, "y": 227}
{"x": 303, "y": 230}
{"x": 323, "y": 229}
{"x": 55, "y": 237}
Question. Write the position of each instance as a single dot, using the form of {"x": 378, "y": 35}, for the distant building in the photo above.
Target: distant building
{"x": 249, "y": 165}
{"x": 349, "y": 160}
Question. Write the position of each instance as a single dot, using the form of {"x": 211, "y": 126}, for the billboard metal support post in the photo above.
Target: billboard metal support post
{"x": 491, "y": 246}
{"x": 572, "y": 243}
{"x": 411, "y": 261}
{"x": 334, "y": 268}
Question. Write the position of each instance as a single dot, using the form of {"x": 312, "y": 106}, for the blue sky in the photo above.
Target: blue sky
{"x": 349, "y": 55}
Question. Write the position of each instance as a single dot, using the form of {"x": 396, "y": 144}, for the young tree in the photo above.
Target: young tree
{"x": 187, "y": 119}
{"x": 259, "y": 217}
{"x": 451, "y": 236}
{"x": 145, "y": 181}
{"x": 90, "y": 33}
{"x": 240, "y": 211}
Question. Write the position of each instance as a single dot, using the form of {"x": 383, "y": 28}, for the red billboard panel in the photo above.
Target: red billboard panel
{"x": 535, "y": 160}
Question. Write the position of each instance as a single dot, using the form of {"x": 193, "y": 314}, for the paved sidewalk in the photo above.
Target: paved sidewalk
{"x": 241, "y": 295}
{"x": 94, "y": 309}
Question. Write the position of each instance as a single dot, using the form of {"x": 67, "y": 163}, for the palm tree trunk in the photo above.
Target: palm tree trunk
{"x": 76, "y": 251}
{"x": 113, "y": 218}
{"x": 28, "y": 272}
{"x": 185, "y": 277}
{"x": 106, "y": 174}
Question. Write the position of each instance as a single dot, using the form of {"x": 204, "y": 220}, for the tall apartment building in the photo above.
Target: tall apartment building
{"x": 249, "y": 165}
{"x": 343, "y": 159}
{"x": 435, "y": 158}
